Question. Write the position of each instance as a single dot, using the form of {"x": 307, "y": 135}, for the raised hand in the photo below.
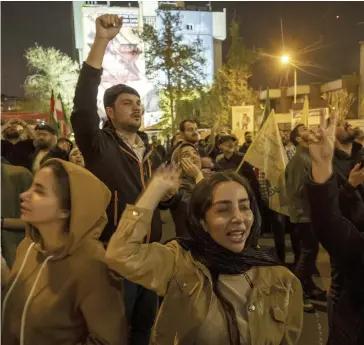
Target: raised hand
{"x": 356, "y": 176}
{"x": 108, "y": 26}
{"x": 163, "y": 185}
{"x": 322, "y": 145}
{"x": 190, "y": 168}
{"x": 167, "y": 178}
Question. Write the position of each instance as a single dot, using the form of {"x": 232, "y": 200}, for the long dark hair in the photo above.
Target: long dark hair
{"x": 216, "y": 258}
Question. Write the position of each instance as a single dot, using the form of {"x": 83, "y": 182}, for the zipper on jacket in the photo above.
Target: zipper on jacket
{"x": 116, "y": 208}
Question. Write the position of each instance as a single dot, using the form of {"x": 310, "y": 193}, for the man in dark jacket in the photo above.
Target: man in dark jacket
{"x": 248, "y": 141}
{"x": 231, "y": 161}
{"x": 118, "y": 156}
{"x": 17, "y": 151}
{"x": 351, "y": 200}
{"x": 189, "y": 130}
{"x": 297, "y": 171}
{"x": 343, "y": 240}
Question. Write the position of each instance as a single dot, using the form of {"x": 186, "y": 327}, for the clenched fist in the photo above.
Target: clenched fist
{"x": 108, "y": 26}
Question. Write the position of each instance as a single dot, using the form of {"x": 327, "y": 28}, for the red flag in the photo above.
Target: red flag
{"x": 52, "y": 120}
{"x": 65, "y": 128}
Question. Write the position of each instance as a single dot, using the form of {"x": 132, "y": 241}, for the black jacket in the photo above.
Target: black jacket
{"x": 246, "y": 170}
{"x": 178, "y": 206}
{"x": 345, "y": 244}
{"x": 107, "y": 156}
{"x": 56, "y": 152}
{"x": 351, "y": 201}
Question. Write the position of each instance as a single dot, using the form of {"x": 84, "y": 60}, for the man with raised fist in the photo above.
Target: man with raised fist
{"x": 119, "y": 157}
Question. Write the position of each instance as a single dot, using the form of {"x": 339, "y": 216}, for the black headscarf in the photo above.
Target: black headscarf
{"x": 204, "y": 249}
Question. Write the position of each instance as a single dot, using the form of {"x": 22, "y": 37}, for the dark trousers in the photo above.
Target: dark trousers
{"x": 141, "y": 307}
{"x": 280, "y": 225}
{"x": 277, "y": 222}
{"x": 295, "y": 239}
{"x": 307, "y": 261}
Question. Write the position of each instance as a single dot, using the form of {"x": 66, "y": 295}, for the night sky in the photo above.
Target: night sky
{"x": 51, "y": 24}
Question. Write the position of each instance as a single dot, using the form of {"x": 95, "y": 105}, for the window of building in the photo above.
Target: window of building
{"x": 189, "y": 27}
{"x": 150, "y": 21}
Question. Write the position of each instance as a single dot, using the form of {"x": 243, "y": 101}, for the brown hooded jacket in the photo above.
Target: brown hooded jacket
{"x": 68, "y": 297}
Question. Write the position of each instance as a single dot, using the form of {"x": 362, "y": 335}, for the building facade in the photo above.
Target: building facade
{"x": 124, "y": 60}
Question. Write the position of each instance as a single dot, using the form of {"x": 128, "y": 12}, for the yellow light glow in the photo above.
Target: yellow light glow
{"x": 285, "y": 59}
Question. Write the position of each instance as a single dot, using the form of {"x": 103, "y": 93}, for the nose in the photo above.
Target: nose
{"x": 237, "y": 216}
{"x": 25, "y": 195}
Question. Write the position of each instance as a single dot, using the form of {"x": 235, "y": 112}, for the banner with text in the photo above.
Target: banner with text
{"x": 268, "y": 154}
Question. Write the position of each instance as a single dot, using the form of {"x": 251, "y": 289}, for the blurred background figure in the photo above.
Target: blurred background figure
{"x": 76, "y": 157}
{"x": 14, "y": 181}
{"x": 15, "y": 150}
{"x": 161, "y": 151}
{"x": 248, "y": 136}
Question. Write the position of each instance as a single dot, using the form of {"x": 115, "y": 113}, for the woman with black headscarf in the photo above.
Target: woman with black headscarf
{"x": 188, "y": 159}
{"x": 217, "y": 288}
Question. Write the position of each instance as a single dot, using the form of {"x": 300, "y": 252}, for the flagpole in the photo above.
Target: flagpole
{"x": 240, "y": 165}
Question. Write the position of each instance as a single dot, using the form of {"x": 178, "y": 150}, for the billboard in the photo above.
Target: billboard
{"x": 313, "y": 117}
{"x": 124, "y": 61}
{"x": 242, "y": 120}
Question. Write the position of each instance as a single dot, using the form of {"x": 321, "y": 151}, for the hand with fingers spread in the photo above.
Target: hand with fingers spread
{"x": 356, "y": 177}
{"x": 164, "y": 185}
{"x": 108, "y": 26}
{"x": 322, "y": 145}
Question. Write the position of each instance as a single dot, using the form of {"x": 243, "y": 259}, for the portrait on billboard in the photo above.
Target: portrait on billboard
{"x": 242, "y": 120}
{"x": 124, "y": 61}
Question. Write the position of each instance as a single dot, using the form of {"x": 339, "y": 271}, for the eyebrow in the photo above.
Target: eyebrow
{"x": 224, "y": 202}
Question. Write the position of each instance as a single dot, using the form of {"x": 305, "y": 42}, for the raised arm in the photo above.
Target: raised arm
{"x": 150, "y": 265}
{"x": 337, "y": 234}
{"x": 85, "y": 119}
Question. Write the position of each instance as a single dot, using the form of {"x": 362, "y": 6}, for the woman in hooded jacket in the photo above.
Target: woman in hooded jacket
{"x": 188, "y": 159}
{"x": 217, "y": 288}
{"x": 60, "y": 291}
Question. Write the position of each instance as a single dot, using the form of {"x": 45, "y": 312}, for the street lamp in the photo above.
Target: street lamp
{"x": 285, "y": 59}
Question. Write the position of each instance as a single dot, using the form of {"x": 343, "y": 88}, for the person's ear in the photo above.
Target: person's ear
{"x": 110, "y": 112}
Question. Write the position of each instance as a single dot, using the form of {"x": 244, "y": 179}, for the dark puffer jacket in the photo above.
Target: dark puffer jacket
{"x": 108, "y": 157}
{"x": 345, "y": 244}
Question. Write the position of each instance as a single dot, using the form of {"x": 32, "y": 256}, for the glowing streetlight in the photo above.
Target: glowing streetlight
{"x": 285, "y": 59}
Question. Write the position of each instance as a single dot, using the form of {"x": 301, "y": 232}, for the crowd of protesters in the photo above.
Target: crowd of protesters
{"x": 81, "y": 229}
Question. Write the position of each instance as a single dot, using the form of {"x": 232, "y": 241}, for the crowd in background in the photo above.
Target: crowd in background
{"x": 81, "y": 229}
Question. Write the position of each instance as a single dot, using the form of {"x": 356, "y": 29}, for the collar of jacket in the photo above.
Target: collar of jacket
{"x": 302, "y": 150}
{"x": 148, "y": 151}
{"x": 342, "y": 155}
{"x": 189, "y": 297}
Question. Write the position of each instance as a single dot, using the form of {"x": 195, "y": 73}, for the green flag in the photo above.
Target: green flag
{"x": 266, "y": 108}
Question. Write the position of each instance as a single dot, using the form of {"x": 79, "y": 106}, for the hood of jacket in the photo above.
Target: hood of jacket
{"x": 89, "y": 199}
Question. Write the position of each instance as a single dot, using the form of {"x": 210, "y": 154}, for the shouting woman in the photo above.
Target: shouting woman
{"x": 217, "y": 288}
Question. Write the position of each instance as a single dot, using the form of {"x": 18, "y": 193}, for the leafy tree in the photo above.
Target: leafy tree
{"x": 231, "y": 85}
{"x": 342, "y": 101}
{"x": 176, "y": 67}
{"x": 51, "y": 70}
